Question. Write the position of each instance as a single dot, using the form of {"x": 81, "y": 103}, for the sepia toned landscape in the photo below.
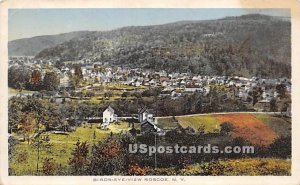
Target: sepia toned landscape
{"x": 77, "y": 100}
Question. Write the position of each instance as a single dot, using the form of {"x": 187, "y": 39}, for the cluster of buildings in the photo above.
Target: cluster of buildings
{"x": 145, "y": 117}
{"x": 172, "y": 84}
{"x": 178, "y": 84}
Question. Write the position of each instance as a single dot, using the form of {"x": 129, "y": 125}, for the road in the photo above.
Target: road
{"x": 213, "y": 113}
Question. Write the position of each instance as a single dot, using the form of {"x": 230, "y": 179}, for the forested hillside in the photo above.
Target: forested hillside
{"x": 249, "y": 45}
{"x": 32, "y": 46}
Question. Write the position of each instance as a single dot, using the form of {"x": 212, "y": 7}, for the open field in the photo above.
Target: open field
{"x": 15, "y": 92}
{"x": 258, "y": 129}
{"x": 281, "y": 126}
{"x": 210, "y": 122}
{"x": 62, "y": 146}
{"x": 250, "y": 128}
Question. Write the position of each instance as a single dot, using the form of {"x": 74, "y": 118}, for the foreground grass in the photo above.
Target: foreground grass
{"x": 62, "y": 146}
{"x": 238, "y": 167}
{"x": 230, "y": 167}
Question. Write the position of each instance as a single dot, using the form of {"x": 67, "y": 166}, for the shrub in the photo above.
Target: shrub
{"x": 49, "y": 166}
{"x": 136, "y": 170}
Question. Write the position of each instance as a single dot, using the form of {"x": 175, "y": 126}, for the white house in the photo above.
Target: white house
{"x": 137, "y": 83}
{"x": 193, "y": 88}
{"x": 153, "y": 82}
{"x": 145, "y": 114}
{"x": 109, "y": 115}
{"x": 64, "y": 81}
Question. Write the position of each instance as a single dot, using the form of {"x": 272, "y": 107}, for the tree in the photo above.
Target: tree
{"x": 51, "y": 81}
{"x": 255, "y": 94}
{"x": 77, "y": 77}
{"x": 135, "y": 169}
{"x": 27, "y": 126}
{"x": 79, "y": 158}
{"x": 49, "y": 166}
{"x": 53, "y": 118}
{"x": 36, "y": 78}
{"x": 94, "y": 135}
{"x": 20, "y": 87}
{"x": 96, "y": 80}
{"x": 281, "y": 147}
{"x": 273, "y": 106}
{"x": 281, "y": 90}
{"x": 125, "y": 94}
{"x": 108, "y": 94}
{"x": 108, "y": 157}
{"x": 201, "y": 129}
{"x": 12, "y": 142}
{"x": 78, "y": 72}
{"x": 58, "y": 64}
{"x": 22, "y": 157}
{"x": 43, "y": 142}
{"x": 18, "y": 76}
{"x": 226, "y": 127}
{"x": 15, "y": 114}
{"x": 172, "y": 136}
{"x": 37, "y": 108}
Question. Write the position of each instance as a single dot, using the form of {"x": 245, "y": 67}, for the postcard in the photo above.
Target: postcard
{"x": 108, "y": 92}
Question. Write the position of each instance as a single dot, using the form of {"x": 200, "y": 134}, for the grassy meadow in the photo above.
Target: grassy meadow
{"x": 258, "y": 129}
{"x": 24, "y": 161}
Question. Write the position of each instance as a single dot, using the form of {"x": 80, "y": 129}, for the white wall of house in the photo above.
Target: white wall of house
{"x": 145, "y": 116}
{"x": 64, "y": 81}
{"x": 108, "y": 116}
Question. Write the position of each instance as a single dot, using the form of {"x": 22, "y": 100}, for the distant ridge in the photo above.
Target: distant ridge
{"x": 32, "y": 46}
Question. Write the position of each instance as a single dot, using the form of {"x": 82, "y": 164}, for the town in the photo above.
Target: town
{"x": 254, "y": 94}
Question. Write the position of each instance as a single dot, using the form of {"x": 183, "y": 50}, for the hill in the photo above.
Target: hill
{"x": 32, "y": 46}
{"x": 248, "y": 45}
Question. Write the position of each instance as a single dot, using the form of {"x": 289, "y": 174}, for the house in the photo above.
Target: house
{"x": 104, "y": 80}
{"x": 164, "y": 78}
{"x": 137, "y": 84}
{"x": 153, "y": 82}
{"x": 242, "y": 94}
{"x": 165, "y": 83}
{"x": 64, "y": 81}
{"x": 231, "y": 83}
{"x": 193, "y": 88}
{"x": 167, "y": 92}
{"x": 109, "y": 115}
{"x": 148, "y": 126}
{"x": 182, "y": 82}
{"x": 262, "y": 106}
{"x": 207, "y": 90}
{"x": 145, "y": 114}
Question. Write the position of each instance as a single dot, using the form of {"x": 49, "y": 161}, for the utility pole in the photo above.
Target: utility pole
{"x": 155, "y": 164}
{"x": 38, "y": 156}
{"x": 38, "y": 149}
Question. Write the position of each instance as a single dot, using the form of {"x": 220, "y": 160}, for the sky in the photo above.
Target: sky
{"x": 26, "y": 23}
